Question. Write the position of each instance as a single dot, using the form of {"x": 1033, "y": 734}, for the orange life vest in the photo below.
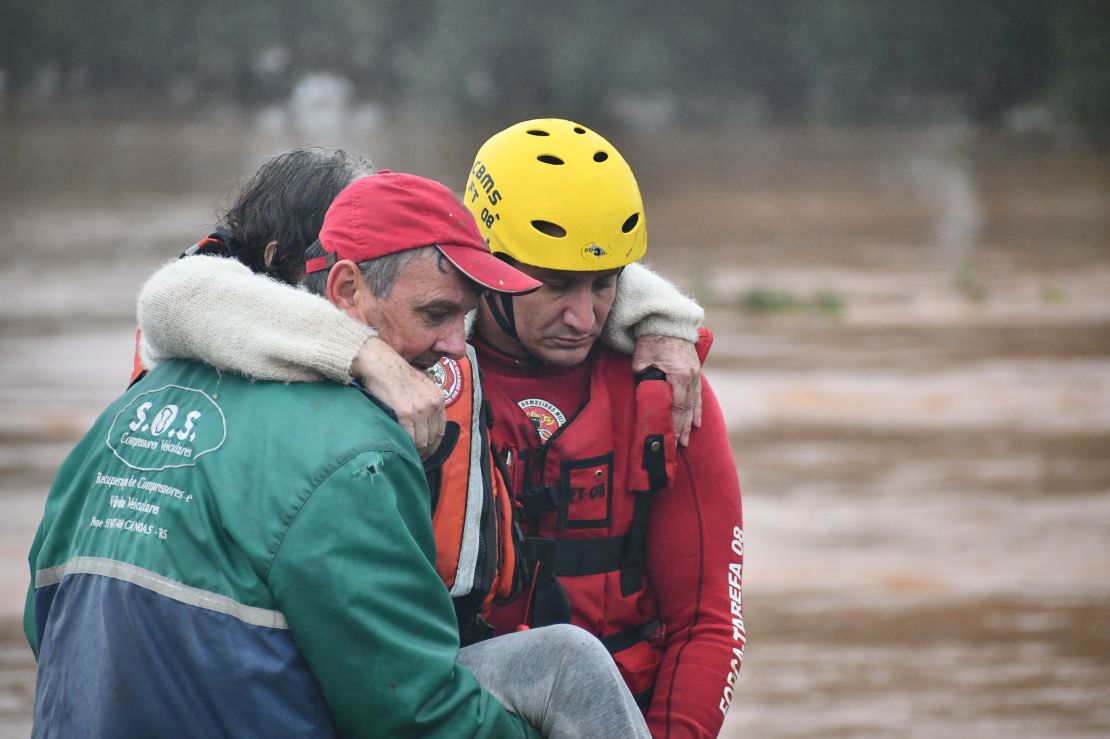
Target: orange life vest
{"x": 477, "y": 537}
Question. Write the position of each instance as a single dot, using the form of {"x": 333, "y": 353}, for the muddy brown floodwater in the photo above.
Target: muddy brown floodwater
{"x": 913, "y": 356}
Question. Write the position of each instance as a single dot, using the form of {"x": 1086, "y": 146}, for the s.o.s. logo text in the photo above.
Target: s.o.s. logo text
{"x": 166, "y": 428}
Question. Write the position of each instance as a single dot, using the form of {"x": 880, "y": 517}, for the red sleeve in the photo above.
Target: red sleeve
{"x": 695, "y": 558}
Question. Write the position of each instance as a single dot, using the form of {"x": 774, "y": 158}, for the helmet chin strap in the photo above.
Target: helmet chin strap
{"x": 501, "y": 308}
{"x": 502, "y": 311}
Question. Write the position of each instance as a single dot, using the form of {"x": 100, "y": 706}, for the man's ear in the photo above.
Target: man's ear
{"x": 347, "y": 289}
{"x": 268, "y": 254}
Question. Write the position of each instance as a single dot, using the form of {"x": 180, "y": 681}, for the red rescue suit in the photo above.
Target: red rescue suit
{"x": 638, "y": 543}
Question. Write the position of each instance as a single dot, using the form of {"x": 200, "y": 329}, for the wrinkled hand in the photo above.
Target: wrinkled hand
{"x": 677, "y": 358}
{"x": 411, "y": 394}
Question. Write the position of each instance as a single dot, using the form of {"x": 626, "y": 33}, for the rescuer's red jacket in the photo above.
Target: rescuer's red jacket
{"x": 656, "y": 574}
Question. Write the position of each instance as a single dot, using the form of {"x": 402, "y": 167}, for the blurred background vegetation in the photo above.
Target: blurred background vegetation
{"x": 1042, "y": 63}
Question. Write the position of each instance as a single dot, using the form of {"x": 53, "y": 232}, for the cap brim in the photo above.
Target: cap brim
{"x": 488, "y": 271}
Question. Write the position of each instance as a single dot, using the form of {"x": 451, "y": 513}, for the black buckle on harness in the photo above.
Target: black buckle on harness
{"x": 535, "y": 502}
{"x": 655, "y": 462}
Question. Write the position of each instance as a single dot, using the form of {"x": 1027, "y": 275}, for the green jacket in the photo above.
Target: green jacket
{"x": 221, "y": 557}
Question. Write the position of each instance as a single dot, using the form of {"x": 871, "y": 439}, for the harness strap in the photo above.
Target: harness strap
{"x": 632, "y": 563}
{"x": 534, "y": 502}
{"x": 589, "y": 556}
{"x": 468, "y": 613}
{"x": 567, "y": 558}
{"x": 551, "y": 603}
{"x": 631, "y": 636}
{"x": 655, "y": 464}
{"x": 643, "y": 698}
{"x": 514, "y": 536}
{"x": 628, "y": 638}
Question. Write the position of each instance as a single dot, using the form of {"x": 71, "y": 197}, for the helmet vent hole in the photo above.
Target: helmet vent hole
{"x": 553, "y": 230}
{"x": 579, "y": 129}
{"x": 630, "y": 223}
{"x": 548, "y": 159}
{"x": 600, "y": 156}
{"x": 537, "y": 132}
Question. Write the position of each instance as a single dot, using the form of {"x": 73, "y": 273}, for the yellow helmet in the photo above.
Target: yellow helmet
{"x": 552, "y": 193}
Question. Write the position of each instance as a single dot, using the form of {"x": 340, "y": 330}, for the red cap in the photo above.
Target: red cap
{"x": 392, "y": 212}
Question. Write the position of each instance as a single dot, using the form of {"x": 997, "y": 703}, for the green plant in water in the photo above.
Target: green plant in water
{"x": 968, "y": 282}
{"x": 765, "y": 301}
{"x": 1053, "y": 294}
{"x": 828, "y": 304}
{"x": 770, "y": 301}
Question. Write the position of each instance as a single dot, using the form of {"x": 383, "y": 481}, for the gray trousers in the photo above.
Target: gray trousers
{"x": 560, "y": 679}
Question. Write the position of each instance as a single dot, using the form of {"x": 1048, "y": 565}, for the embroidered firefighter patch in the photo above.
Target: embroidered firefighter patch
{"x": 448, "y": 377}
{"x": 547, "y": 418}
